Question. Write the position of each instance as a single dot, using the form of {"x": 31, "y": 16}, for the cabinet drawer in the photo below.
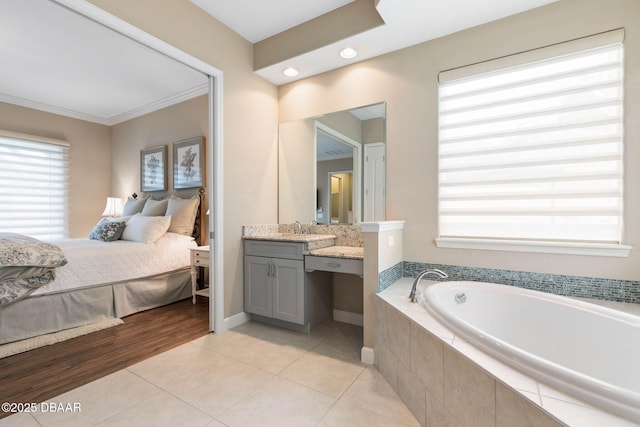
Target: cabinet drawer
{"x": 336, "y": 265}
{"x": 268, "y": 248}
{"x": 200, "y": 258}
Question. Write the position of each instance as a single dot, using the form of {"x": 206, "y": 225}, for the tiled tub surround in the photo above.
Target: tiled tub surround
{"x": 625, "y": 291}
{"x": 447, "y": 382}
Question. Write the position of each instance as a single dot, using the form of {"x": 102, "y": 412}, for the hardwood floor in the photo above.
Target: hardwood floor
{"x": 46, "y": 372}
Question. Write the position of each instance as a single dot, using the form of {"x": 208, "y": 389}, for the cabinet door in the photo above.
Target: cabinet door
{"x": 288, "y": 288}
{"x": 258, "y": 293}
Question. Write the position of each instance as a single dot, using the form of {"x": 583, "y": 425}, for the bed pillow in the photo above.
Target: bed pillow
{"x": 134, "y": 206}
{"x": 155, "y": 207}
{"x": 107, "y": 230}
{"x": 146, "y": 229}
{"x": 183, "y": 214}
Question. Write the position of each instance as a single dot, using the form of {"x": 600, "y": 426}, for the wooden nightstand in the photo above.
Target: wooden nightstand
{"x": 199, "y": 258}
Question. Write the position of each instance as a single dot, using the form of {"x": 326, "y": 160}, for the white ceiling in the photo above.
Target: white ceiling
{"x": 56, "y": 60}
{"x": 407, "y": 22}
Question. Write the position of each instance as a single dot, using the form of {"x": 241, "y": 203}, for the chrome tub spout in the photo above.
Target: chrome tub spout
{"x": 433, "y": 271}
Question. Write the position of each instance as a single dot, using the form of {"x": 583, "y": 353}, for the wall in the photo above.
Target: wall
{"x": 250, "y": 122}
{"x": 89, "y": 164}
{"x": 407, "y": 81}
{"x": 178, "y": 122}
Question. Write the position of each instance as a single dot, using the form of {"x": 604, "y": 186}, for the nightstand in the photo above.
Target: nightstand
{"x": 199, "y": 258}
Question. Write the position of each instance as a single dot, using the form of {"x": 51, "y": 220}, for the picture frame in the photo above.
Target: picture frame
{"x": 188, "y": 163}
{"x": 153, "y": 169}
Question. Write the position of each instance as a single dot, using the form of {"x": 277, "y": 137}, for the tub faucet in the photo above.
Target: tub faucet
{"x": 441, "y": 274}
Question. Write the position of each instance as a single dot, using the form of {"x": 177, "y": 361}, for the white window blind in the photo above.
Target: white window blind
{"x": 534, "y": 151}
{"x": 33, "y": 187}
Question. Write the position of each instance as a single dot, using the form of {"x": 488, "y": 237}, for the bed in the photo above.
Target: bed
{"x": 146, "y": 266}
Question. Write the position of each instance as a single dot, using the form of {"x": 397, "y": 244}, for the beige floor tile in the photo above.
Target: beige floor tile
{"x": 264, "y": 354}
{"x": 220, "y": 385}
{"x": 160, "y": 410}
{"x": 21, "y": 419}
{"x": 344, "y": 338}
{"x": 174, "y": 365}
{"x": 328, "y": 372}
{"x": 372, "y": 392}
{"x": 346, "y": 414}
{"x": 281, "y": 403}
{"x": 99, "y": 400}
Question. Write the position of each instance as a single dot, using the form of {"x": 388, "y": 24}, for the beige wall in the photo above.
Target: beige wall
{"x": 250, "y": 122}
{"x": 89, "y": 164}
{"x": 186, "y": 120}
{"x": 407, "y": 81}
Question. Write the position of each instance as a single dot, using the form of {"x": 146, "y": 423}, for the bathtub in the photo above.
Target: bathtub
{"x": 586, "y": 350}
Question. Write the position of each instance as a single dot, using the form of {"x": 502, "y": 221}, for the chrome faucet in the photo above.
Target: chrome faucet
{"x": 297, "y": 228}
{"x": 441, "y": 274}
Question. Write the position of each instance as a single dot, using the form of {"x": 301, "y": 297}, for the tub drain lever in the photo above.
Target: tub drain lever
{"x": 461, "y": 297}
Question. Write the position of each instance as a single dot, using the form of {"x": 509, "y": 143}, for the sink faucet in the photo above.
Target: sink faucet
{"x": 441, "y": 274}
{"x": 297, "y": 228}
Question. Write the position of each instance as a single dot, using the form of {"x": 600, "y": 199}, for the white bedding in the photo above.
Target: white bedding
{"x": 93, "y": 262}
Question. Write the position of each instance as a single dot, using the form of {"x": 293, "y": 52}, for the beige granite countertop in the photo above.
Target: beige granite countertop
{"x": 352, "y": 252}
{"x": 312, "y": 241}
{"x": 290, "y": 237}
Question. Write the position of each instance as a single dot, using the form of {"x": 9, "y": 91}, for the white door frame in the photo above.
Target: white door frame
{"x": 215, "y": 163}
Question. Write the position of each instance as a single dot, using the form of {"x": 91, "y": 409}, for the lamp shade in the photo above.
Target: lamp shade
{"x": 114, "y": 207}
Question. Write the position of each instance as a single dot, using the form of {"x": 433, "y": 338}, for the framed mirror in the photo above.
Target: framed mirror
{"x": 332, "y": 167}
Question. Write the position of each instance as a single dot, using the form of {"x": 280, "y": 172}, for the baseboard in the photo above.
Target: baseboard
{"x": 367, "y": 356}
{"x": 236, "y": 320}
{"x": 348, "y": 317}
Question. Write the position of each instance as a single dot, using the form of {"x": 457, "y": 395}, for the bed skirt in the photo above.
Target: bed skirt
{"x": 44, "y": 314}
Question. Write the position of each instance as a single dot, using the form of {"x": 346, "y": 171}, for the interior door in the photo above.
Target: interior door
{"x": 374, "y": 182}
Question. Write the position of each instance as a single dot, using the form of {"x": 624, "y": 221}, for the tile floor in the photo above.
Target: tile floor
{"x": 253, "y": 375}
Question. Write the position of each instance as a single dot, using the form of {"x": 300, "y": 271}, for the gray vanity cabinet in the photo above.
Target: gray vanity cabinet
{"x": 278, "y": 290}
{"x": 274, "y": 288}
{"x": 274, "y": 280}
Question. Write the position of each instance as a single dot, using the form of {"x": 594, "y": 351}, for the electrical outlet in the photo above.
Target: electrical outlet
{"x": 390, "y": 241}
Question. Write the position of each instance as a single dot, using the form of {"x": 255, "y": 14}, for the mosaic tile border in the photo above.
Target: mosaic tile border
{"x": 571, "y": 286}
{"x": 389, "y": 276}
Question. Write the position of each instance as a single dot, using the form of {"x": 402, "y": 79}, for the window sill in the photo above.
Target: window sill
{"x": 592, "y": 249}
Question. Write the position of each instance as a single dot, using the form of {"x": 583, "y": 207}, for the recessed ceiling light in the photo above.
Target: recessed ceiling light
{"x": 348, "y": 53}
{"x": 290, "y": 72}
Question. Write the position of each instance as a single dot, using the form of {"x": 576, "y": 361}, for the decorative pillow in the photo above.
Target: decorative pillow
{"x": 183, "y": 214}
{"x": 107, "y": 230}
{"x": 134, "y": 206}
{"x": 146, "y": 229}
{"x": 155, "y": 207}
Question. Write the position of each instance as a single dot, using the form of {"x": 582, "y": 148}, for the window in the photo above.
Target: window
{"x": 531, "y": 148}
{"x": 33, "y": 186}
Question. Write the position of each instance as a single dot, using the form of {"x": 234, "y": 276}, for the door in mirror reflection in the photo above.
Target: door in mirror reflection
{"x": 341, "y": 199}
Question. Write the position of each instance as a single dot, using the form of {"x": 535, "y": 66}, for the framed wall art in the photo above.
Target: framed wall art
{"x": 188, "y": 163}
{"x": 153, "y": 169}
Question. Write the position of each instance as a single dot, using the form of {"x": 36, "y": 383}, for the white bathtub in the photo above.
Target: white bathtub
{"x": 589, "y": 351}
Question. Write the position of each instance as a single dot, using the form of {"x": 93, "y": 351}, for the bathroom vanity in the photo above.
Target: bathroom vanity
{"x": 288, "y": 277}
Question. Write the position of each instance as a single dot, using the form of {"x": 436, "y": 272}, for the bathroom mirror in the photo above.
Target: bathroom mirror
{"x": 332, "y": 167}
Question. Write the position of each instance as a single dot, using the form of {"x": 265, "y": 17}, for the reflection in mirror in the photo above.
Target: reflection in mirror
{"x": 348, "y": 145}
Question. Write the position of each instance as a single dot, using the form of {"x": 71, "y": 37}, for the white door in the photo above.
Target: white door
{"x": 374, "y": 182}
